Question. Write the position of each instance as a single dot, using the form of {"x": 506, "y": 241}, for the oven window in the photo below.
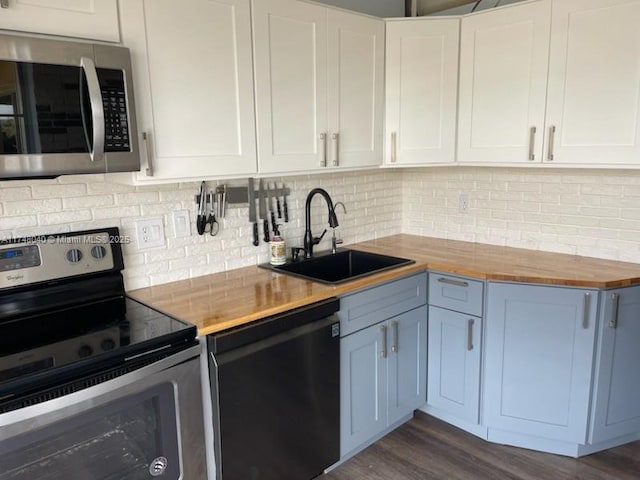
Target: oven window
{"x": 132, "y": 438}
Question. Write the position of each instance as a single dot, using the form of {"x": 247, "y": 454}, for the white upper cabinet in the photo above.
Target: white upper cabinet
{"x": 503, "y": 77}
{"x": 355, "y": 60}
{"x": 319, "y": 87}
{"x": 594, "y": 83}
{"x": 91, "y": 19}
{"x": 194, "y": 90}
{"x": 421, "y": 91}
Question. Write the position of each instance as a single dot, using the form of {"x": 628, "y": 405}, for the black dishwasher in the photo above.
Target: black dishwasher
{"x": 276, "y": 395}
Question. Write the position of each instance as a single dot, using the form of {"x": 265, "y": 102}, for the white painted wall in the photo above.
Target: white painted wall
{"x": 378, "y": 8}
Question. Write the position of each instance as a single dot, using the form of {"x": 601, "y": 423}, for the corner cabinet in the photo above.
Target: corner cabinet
{"x": 90, "y": 19}
{"x": 539, "y": 348}
{"x": 319, "y": 87}
{"x": 383, "y": 360}
{"x": 194, "y": 92}
{"x": 616, "y": 408}
{"x": 553, "y": 82}
{"x": 421, "y": 91}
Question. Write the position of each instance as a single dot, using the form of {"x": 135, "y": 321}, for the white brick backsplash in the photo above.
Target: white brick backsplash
{"x": 594, "y": 213}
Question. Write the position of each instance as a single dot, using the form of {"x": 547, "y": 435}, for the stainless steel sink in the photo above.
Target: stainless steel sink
{"x": 340, "y": 267}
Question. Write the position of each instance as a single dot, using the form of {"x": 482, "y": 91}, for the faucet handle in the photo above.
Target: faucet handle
{"x": 335, "y": 242}
{"x": 316, "y": 240}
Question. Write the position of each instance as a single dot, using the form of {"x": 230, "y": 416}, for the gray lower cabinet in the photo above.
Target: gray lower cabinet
{"x": 383, "y": 356}
{"x": 539, "y": 358}
{"x": 454, "y": 348}
{"x": 454, "y": 363}
{"x": 616, "y": 407}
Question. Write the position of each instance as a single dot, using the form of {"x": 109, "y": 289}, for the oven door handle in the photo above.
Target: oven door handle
{"x": 97, "y": 110}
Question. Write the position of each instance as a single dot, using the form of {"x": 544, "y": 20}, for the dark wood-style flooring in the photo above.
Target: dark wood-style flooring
{"x": 426, "y": 448}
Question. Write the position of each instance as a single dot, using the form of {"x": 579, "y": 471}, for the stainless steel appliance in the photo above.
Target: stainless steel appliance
{"x": 65, "y": 107}
{"x": 276, "y": 395}
{"x": 93, "y": 385}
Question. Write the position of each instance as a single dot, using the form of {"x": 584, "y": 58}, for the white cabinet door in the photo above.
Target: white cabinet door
{"x": 407, "y": 364}
{"x": 290, "y": 48}
{"x": 194, "y": 92}
{"x": 363, "y": 386}
{"x": 616, "y": 408}
{"x": 92, "y": 19}
{"x": 421, "y": 93}
{"x": 538, "y": 351}
{"x": 454, "y": 363}
{"x": 594, "y": 83}
{"x": 503, "y": 79}
{"x": 355, "y": 62}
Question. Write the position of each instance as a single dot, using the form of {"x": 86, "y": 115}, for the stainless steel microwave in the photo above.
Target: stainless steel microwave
{"x": 65, "y": 108}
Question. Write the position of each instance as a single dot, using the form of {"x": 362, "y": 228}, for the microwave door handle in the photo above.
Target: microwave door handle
{"x": 97, "y": 111}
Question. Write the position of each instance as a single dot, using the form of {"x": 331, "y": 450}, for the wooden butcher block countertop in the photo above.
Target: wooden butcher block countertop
{"x": 220, "y": 301}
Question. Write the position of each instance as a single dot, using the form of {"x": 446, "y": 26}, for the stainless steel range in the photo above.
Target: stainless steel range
{"x": 93, "y": 385}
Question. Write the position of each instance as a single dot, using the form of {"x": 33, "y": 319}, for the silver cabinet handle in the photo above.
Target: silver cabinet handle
{"x": 552, "y": 135}
{"x": 585, "y": 311}
{"x": 470, "y": 323}
{"x": 97, "y": 111}
{"x": 394, "y": 138}
{"x": 4, "y": 3}
{"x": 383, "y": 333}
{"x": 147, "y": 147}
{"x": 457, "y": 283}
{"x": 532, "y": 144}
{"x": 615, "y": 299}
{"x": 394, "y": 346}
{"x": 336, "y": 149}
{"x": 323, "y": 145}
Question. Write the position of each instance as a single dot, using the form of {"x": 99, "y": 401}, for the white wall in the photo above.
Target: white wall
{"x": 585, "y": 212}
{"x": 378, "y": 8}
{"x": 36, "y": 207}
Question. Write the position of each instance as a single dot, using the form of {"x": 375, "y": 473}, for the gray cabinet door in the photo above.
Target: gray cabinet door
{"x": 363, "y": 386}
{"x": 454, "y": 363}
{"x": 539, "y": 358}
{"x": 407, "y": 363}
{"x": 616, "y": 410}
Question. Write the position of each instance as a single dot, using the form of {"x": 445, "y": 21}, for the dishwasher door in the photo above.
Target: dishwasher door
{"x": 277, "y": 399}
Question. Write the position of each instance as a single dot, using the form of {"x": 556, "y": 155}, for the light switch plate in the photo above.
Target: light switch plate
{"x": 150, "y": 233}
{"x": 181, "y": 223}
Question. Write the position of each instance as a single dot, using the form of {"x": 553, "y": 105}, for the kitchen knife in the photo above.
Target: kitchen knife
{"x": 252, "y": 211}
{"x": 275, "y": 188}
{"x": 201, "y": 219}
{"x": 274, "y": 225}
{"x": 284, "y": 204}
{"x": 262, "y": 209}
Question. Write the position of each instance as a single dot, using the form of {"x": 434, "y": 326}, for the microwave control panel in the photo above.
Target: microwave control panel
{"x": 114, "y": 103}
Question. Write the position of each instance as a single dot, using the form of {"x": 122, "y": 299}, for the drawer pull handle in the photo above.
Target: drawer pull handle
{"x": 323, "y": 147}
{"x": 457, "y": 283}
{"x": 394, "y": 146}
{"x": 532, "y": 144}
{"x": 147, "y": 148}
{"x": 552, "y": 135}
{"x": 383, "y": 334}
{"x": 470, "y": 323}
{"x": 394, "y": 346}
{"x": 615, "y": 299}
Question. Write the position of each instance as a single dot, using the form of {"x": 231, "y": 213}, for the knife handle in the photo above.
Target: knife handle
{"x": 265, "y": 227}
{"x": 274, "y": 225}
{"x": 255, "y": 234}
{"x": 201, "y": 224}
{"x": 285, "y": 211}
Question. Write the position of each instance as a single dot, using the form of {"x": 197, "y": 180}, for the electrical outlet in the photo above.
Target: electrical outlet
{"x": 463, "y": 203}
{"x": 181, "y": 223}
{"x": 150, "y": 233}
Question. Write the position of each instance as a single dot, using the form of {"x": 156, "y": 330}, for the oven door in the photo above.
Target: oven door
{"x": 141, "y": 425}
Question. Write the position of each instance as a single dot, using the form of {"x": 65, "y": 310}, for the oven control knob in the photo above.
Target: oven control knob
{"x": 107, "y": 344}
{"x": 85, "y": 351}
{"x": 158, "y": 466}
{"x": 98, "y": 252}
{"x": 74, "y": 255}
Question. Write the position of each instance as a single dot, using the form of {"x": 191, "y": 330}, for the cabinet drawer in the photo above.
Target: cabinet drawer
{"x": 456, "y": 293}
{"x": 359, "y": 310}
